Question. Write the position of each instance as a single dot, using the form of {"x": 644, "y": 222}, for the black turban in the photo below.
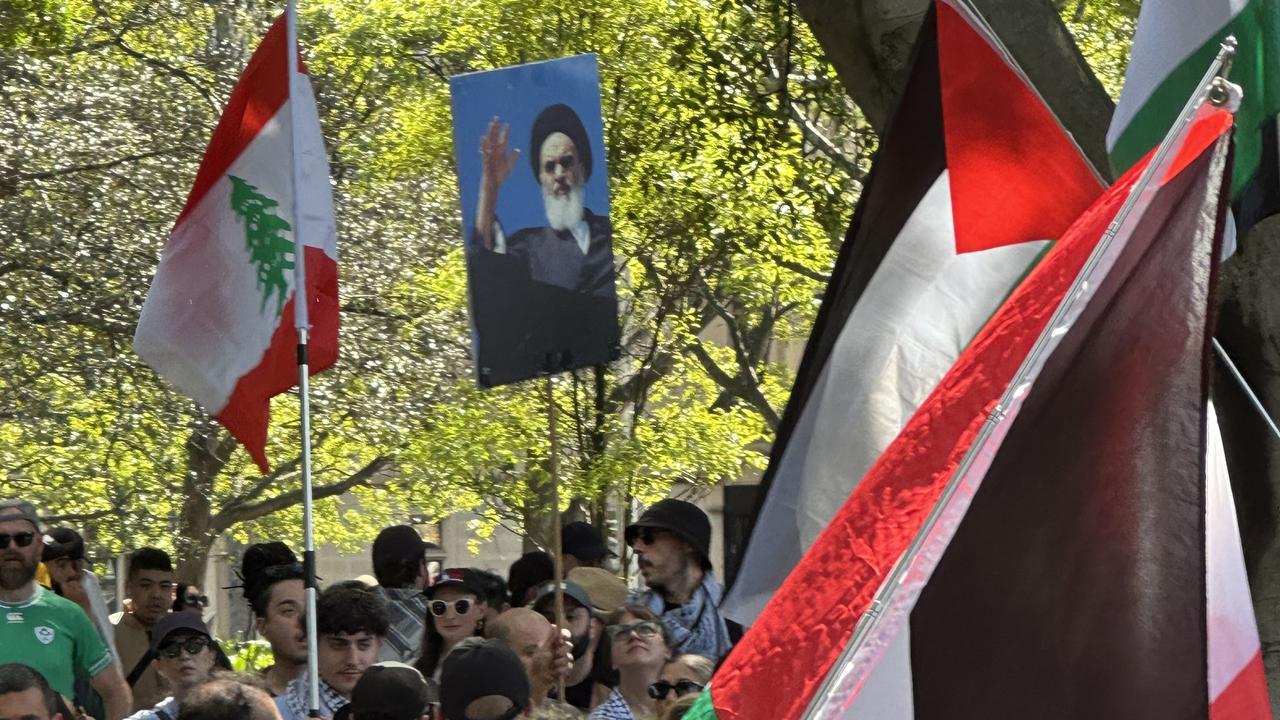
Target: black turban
{"x": 562, "y": 119}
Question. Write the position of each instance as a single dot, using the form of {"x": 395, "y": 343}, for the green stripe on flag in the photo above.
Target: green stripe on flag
{"x": 703, "y": 709}
{"x": 1256, "y": 29}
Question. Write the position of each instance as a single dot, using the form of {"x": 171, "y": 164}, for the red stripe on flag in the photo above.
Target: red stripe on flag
{"x": 257, "y": 97}
{"x": 1015, "y": 174}
{"x": 1246, "y": 697}
{"x": 248, "y": 411}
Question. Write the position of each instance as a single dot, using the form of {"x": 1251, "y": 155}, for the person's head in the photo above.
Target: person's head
{"x": 638, "y": 641}
{"x": 351, "y": 621}
{"x": 273, "y": 584}
{"x": 583, "y": 546}
{"x": 606, "y": 591}
{"x": 672, "y": 541}
{"x": 577, "y": 613}
{"x": 63, "y": 555}
{"x": 682, "y": 675}
{"x": 399, "y": 558}
{"x": 185, "y": 651}
{"x": 561, "y": 155}
{"x": 21, "y": 544}
{"x": 389, "y": 691}
{"x": 527, "y": 574}
{"x": 527, "y": 633}
{"x": 228, "y": 698}
{"x": 493, "y": 592}
{"x": 26, "y": 695}
{"x": 483, "y": 680}
{"x": 149, "y": 584}
{"x": 455, "y": 611}
{"x": 189, "y": 597}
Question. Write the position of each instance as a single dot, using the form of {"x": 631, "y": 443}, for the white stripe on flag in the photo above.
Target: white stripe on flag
{"x": 921, "y": 309}
{"x": 315, "y": 201}
{"x": 1233, "y": 631}
{"x": 888, "y": 693}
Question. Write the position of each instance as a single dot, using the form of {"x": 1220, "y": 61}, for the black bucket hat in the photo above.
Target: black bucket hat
{"x": 682, "y": 519}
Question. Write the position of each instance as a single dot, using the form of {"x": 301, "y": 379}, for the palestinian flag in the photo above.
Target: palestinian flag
{"x": 218, "y": 321}
{"x": 1175, "y": 42}
{"x": 974, "y": 176}
{"x": 1067, "y": 577}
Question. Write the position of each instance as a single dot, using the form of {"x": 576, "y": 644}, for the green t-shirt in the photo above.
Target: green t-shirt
{"x": 53, "y": 636}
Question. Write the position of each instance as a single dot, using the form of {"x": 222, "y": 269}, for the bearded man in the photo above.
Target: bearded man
{"x": 48, "y": 633}
{"x": 574, "y": 250}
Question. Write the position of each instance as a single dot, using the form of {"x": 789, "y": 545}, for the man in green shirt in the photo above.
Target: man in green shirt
{"x": 42, "y": 630}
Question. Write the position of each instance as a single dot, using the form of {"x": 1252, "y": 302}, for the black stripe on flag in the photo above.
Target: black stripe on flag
{"x": 1075, "y": 584}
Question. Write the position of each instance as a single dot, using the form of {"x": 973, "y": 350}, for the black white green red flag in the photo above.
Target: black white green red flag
{"x": 974, "y": 178}
{"x": 218, "y": 321}
{"x": 1074, "y": 573}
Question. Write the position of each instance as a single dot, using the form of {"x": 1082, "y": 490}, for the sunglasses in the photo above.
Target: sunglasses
{"x": 196, "y": 600}
{"x": 643, "y": 630}
{"x": 22, "y": 539}
{"x": 662, "y": 688}
{"x": 568, "y": 162}
{"x": 440, "y": 607}
{"x": 192, "y": 645}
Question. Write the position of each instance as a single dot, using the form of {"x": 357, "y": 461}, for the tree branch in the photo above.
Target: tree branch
{"x": 177, "y": 72}
{"x": 8, "y": 180}
{"x": 364, "y": 476}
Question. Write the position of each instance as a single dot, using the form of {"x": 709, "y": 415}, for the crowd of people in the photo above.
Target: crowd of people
{"x": 461, "y": 644}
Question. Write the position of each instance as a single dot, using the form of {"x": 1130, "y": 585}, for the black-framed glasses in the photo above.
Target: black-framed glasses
{"x": 662, "y": 688}
{"x": 568, "y": 162}
{"x": 202, "y": 600}
{"x": 192, "y": 646}
{"x": 644, "y": 630}
{"x": 22, "y": 539}
{"x": 440, "y": 607}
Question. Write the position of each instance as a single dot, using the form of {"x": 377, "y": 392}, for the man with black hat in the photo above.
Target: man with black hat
{"x": 400, "y": 565}
{"x": 484, "y": 680}
{"x": 184, "y": 654}
{"x": 64, "y": 559}
{"x": 49, "y": 633}
{"x": 584, "y": 633}
{"x": 388, "y": 691}
{"x": 583, "y": 546}
{"x": 574, "y": 250}
{"x": 273, "y": 584}
{"x": 672, "y": 542}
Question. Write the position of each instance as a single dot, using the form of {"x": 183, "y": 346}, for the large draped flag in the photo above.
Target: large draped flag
{"x": 218, "y": 321}
{"x": 1174, "y": 42}
{"x": 1068, "y": 576}
{"x": 973, "y": 177}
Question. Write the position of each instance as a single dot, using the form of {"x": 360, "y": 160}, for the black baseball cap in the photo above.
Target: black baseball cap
{"x": 395, "y": 545}
{"x": 389, "y": 691}
{"x": 174, "y": 622}
{"x": 464, "y": 578}
{"x": 572, "y": 591}
{"x": 584, "y": 542}
{"x": 62, "y": 542}
{"x": 682, "y": 519}
{"x": 479, "y": 669}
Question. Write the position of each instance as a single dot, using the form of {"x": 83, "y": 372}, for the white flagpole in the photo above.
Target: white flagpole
{"x": 301, "y": 322}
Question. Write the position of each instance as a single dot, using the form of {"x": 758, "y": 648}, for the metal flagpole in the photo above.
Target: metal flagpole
{"x": 553, "y": 469}
{"x": 303, "y": 325}
{"x": 883, "y": 604}
{"x": 1244, "y": 385}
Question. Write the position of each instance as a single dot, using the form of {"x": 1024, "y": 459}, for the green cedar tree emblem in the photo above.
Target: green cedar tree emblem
{"x": 271, "y": 253}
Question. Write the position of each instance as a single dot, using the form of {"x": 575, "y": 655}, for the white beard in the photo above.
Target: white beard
{"x": 564, "y": 213}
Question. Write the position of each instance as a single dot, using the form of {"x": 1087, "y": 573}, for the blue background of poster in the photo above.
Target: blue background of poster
{"x": 516, "y": 95}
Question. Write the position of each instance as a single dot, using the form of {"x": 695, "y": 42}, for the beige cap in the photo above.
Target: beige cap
{"x": 606, "y": 590}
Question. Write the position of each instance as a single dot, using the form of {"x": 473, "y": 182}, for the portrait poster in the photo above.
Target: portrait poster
{"x": 534, "y": 186}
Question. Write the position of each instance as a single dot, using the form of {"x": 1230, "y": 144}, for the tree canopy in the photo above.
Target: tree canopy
{"x": 734, "y": 154}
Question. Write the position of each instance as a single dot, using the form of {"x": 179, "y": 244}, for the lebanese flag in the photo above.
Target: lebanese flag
{"x": 218, "y": 321}
{"x": 974, "y": 177}
{"x": 1067, "y": 576}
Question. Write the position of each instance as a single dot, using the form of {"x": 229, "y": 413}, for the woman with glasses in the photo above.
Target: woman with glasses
{"x": 682, "y": 675}
{"x": 455, "y": 612}
{"x": 189, "y": 597}
{"x": 185, "y": 655}
{"x": 639, "y": 645}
